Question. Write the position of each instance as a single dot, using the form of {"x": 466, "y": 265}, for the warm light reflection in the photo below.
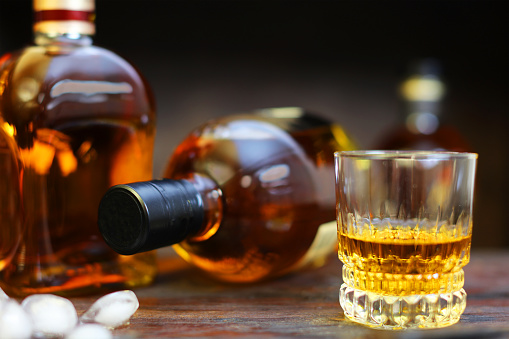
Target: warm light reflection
{"x": 48, "y": 145}
{"x": 85, "y": 152}
{"x": 3, "y": 75}
{"x": 132, "y": 161}
{"x": 344, "y": 142}
{"x": 27, "y": 89}
{"x": 9, "y": 129}
{"x": 283, "y": 112}
{"x": 219, "y": 171}
{"x": 67, "y": 162}
{"x": 39, "y": 157}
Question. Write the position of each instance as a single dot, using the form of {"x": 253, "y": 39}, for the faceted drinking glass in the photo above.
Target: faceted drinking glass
{"x": 404, "y": 230}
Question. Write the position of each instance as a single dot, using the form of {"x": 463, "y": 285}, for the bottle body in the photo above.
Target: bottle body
{"x": 76, "y": 119}
{"x": 444, "y": 138}
{"x": 274, "y": 174}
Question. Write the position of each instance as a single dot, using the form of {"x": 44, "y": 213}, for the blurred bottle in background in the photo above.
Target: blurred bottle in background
{"x": 247, "y": 197}
{"x": 422, "y": 93}
{"x": 75, "y": 120}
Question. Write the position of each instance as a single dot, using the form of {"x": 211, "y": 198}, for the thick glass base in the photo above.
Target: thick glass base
{"x": 397, "y": 312}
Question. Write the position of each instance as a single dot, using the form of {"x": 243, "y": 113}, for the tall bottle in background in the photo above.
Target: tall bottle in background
{"x": 249, "y": 197}
{"x": 75, "y": 120}
{"x": 422, "y": 93}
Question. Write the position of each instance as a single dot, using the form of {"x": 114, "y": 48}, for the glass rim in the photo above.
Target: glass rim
{"x": 405, "y": 155}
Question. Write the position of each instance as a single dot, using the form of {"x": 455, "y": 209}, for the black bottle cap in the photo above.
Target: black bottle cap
{"x": 144, "y": 216}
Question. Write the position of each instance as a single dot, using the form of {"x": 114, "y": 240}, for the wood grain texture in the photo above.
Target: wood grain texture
{"x": 183, "y": 302}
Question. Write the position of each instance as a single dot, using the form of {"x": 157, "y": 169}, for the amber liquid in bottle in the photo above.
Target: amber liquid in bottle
{"x": 276, "y": 177}
{"x": 75, "y": 120}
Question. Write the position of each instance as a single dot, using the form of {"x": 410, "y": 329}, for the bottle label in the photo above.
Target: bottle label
{"x": 64, "y": 16}
{"x": 325, "y": 242}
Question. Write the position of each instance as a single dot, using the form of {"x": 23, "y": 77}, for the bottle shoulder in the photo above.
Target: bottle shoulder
{"x": 68, "y": 82}
{"x": 445, "y": 137}
{"x": 51, "y": 62}
{"x": 254, "y": 140}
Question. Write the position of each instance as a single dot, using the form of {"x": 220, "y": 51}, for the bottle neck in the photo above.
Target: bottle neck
{"x": 45, "y": 39}
{"x": 422, "y": 122}
{"x": 423, "y": 97}
{"x": 144, "y": 216}
{"x": 212, "y": 202}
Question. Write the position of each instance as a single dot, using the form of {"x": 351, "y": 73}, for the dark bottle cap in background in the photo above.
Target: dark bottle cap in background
{"x": 425, "y": 67}
{"x": 144, "y": 216}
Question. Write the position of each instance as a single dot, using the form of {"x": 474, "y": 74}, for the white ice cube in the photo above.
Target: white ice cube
{"x": 112, "y": 310}
{"x": 90, "y": 331}
{"x": 3, "y": 295}
{"x": 15, "y": 323}
{"x": 51, "y": 315}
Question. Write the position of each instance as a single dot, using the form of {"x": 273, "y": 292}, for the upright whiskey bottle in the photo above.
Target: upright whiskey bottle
{"x": 75, "y": 120}
{"x": 423, "y": 129}
{"x": 250, "y": 197}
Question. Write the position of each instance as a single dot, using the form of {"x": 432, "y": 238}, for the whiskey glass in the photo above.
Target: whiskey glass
{"x": 404, "y": 231}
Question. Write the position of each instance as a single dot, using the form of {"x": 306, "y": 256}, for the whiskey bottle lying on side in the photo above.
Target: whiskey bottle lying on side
{"x": 246, "y": 197}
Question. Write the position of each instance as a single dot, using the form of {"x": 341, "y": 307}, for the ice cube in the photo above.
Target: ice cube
{"x": 51, "y": 315}
{"x": 90, "y": 331}
{"x": 15, "y": 323}
{"x": 112, "y": 310}
{"x": 3, "y": 295}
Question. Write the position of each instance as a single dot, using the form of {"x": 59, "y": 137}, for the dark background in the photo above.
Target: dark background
{"x": 343, "y": 59}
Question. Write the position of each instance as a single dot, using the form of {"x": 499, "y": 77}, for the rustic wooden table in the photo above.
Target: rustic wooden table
{"x": 185, "y": 303}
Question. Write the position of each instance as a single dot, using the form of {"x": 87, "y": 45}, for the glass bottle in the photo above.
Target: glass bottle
{"x": 422, "y": 93}
{"x": 75, "y": 120}
{"x": 251, "y": 197}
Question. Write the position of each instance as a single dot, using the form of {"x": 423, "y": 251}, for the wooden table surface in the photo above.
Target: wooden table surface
{"x": 185, "y": 303}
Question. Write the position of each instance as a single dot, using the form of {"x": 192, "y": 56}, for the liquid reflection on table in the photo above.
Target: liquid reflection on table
{"x": 185, "y": 303}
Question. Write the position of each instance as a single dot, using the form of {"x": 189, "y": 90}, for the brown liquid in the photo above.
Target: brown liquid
{"x": 278, "y": 188}
{"x": 65, "y": 147}
{"x": 400, "y": 259}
